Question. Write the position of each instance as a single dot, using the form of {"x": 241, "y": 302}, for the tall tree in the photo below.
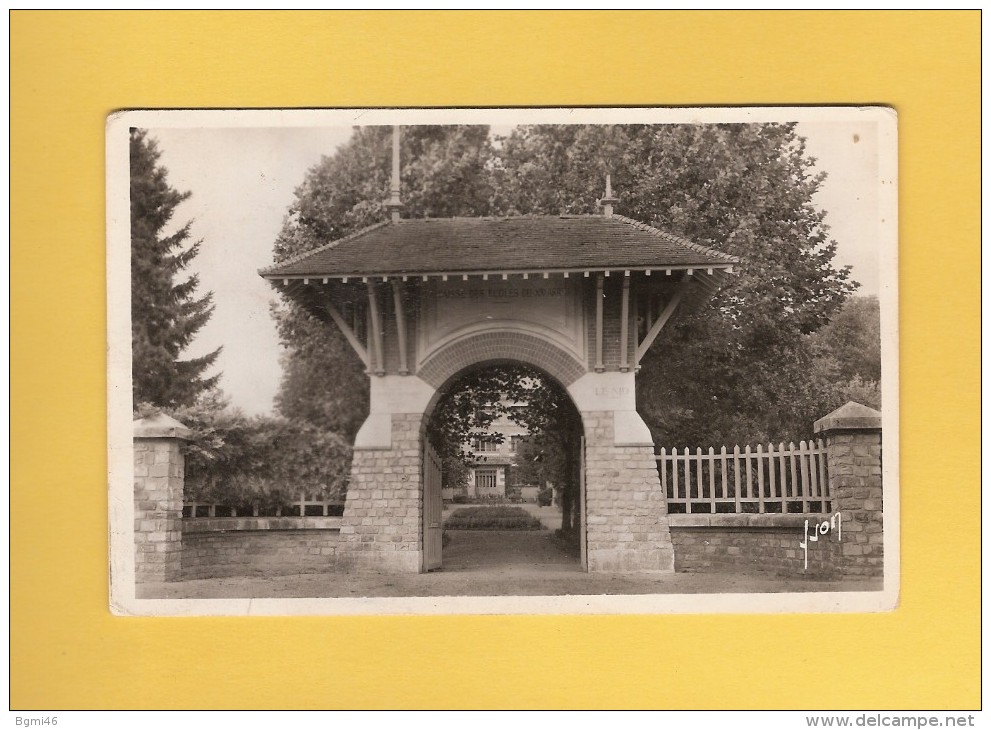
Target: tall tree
{"x": 741, "y": 367}
{"x": 445, "y": 172}
{"x": 853, "y": 339}
{"x": 165, "y": 312}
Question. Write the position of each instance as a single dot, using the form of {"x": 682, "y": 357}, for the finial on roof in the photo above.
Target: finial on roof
{"x": 394, "y": 204}
{"x": 609, "y": 200}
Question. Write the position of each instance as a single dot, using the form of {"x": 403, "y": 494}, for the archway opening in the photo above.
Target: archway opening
{"x": 508, "y": 440}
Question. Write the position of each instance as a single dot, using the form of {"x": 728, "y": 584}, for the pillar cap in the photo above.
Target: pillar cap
{"x": 851, "y": 417}
{"x": 160, "y": 426}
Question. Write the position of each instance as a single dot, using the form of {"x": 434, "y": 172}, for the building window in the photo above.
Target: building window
{"x": 485, "y": 478}
{"x": 514, "y": 443}
{"x": 485, "y": 445}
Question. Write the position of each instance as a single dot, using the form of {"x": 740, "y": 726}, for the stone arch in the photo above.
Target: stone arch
{"x": 573, "y": 502}
{"x": 495, "y": 346}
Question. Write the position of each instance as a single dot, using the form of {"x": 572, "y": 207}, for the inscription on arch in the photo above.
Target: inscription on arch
{"x": 496, "y": 346}
{"x": 549, "y": 309}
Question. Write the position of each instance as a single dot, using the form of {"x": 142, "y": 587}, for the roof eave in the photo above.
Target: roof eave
{"x": 272, "y": 273}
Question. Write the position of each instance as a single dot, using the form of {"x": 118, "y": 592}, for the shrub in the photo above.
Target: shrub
{"x": 241, "y": 460}
{"x": 545, "y": 496}
{"x": 492, "y": 518}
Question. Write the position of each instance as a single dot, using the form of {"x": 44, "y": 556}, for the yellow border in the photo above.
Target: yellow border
{"x": 70, "y": 69}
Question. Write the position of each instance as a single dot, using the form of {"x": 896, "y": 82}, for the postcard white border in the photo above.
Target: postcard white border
{"x": 119, "y": 421}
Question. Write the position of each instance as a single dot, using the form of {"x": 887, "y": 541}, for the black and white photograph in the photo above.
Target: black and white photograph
{"x": 547, "y": 360}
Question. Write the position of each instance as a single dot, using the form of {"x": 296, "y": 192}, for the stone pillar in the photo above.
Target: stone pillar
{"x": 382, "y": 527}
{"x": 159, "y": 473}
{"x": 625, "y": 510}
{"x": 853, "y": 459}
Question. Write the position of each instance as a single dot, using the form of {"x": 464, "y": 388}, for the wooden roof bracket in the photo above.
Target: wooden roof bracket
{"x": 656, "y": 328}
{"x": 348, "y": 333}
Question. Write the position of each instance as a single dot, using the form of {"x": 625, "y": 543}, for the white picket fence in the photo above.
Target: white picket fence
{"x": 767, "y": 479}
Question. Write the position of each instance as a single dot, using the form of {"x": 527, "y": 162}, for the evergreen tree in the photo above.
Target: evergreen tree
{"x": 165, "y": 311}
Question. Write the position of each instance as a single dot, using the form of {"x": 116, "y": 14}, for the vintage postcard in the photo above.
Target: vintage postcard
{"x": 553, "y": 360}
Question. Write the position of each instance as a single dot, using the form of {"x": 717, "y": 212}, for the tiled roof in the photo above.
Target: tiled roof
{"x": 525, "y": 243}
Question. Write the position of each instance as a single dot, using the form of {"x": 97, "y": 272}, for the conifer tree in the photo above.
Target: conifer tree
{"x": 165, "y": 312}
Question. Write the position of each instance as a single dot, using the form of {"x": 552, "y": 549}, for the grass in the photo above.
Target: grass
{"x": 492, "y": 518}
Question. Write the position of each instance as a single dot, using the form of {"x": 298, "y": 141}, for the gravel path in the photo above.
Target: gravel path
{"x": 508, "y": 551}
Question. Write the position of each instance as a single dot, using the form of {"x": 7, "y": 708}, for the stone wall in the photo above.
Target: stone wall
{"x": 752, "y": 544}
{"x": 852, "y": 546}
{"x": 627, "y": 521}
{"x": 627, "y": 524}
{"x": 250, "y": 553}
{"x": 381, "y": 527}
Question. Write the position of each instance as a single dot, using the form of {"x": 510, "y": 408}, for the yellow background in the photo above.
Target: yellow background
{"x": 69, "y": 70}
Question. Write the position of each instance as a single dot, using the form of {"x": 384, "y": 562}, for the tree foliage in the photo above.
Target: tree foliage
{"x": 745, "y": 189}
{"x": 470, "y": 404}
{"x": 165, "y": 312}
{"x": 235, "y": 459}
{"x": 742, "y": 368}
{"x": 445, "y": 173}
{"x": 454, "y": 472}
{"x": 853, "y": 340}
{"x": 848, "y": 354}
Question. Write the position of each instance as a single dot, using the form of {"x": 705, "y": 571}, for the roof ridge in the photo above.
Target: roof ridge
{"x": 675, "y": 238}
{"x": 306, "y": 254}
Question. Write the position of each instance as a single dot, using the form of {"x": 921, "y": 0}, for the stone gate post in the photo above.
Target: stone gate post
{"x": 159, "y": 473}
{"x": 853, "y": 454}
{"x": 382, "y": 527}
{"x": 626, "y": 511}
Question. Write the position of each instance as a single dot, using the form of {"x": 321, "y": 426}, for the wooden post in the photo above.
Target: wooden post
{"x": 376, "y": 322}
{"x": 624, "y": 327}
{"x": 599, "y": 294}
{"x": 737, "y": 484}
{"x": 397, "y": 297}
{"x": 712, "y": 480}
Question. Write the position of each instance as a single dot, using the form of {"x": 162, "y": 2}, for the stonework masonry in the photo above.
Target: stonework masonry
{"x": 159, "y": 474}
{"x": 261, "y": 553}
{"x": 853, "y": 452}
{"x": 761, "y": 544}
{"x": 381, "y": 527}
{"x": 626, "y": 513}
{"x": 628, "y": 528}
{"x": 772, "y": 543}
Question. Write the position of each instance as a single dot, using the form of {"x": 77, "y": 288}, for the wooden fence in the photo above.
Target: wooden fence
{"x": 301, "y": 507}
{"x": 778, "y": 479}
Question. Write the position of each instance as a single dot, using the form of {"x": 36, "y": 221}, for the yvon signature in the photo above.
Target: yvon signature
{"x": 834, "y": 524}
